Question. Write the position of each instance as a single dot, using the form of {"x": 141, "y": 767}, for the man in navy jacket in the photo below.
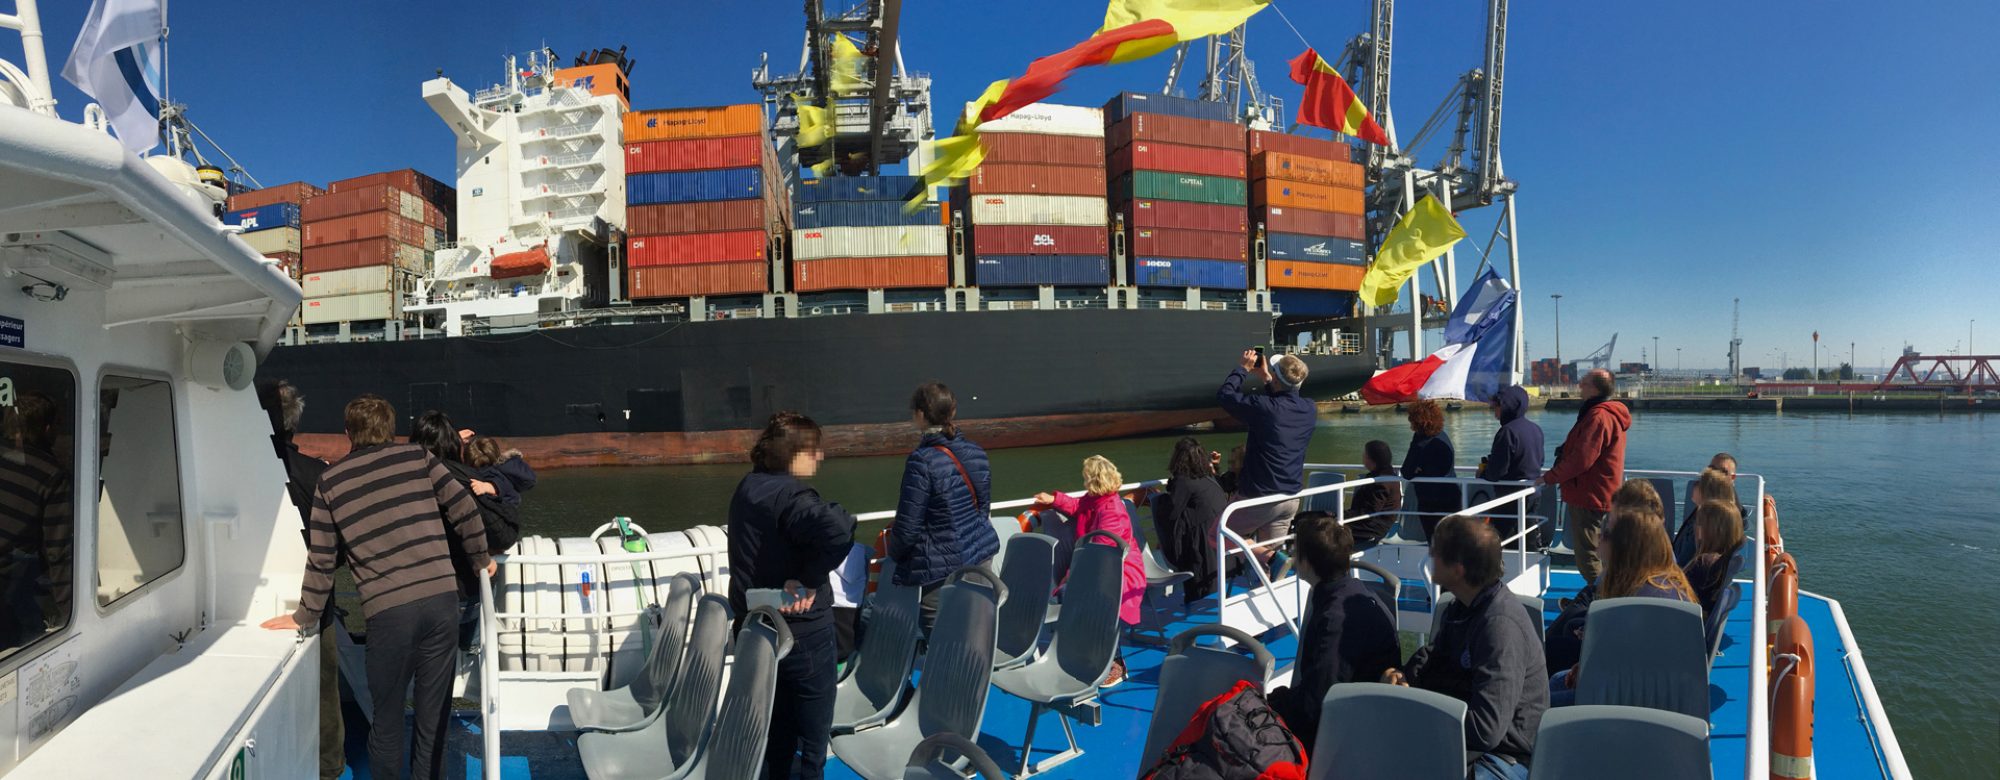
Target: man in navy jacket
{"x": 1516, "y": 455}
{"x": 1281, "y": 422}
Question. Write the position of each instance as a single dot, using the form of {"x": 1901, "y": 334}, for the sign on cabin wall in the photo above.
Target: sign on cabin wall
{"x": 13, "y": 332}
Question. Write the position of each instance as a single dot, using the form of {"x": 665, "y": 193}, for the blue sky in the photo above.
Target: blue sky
{"x": 1829, "y": 163}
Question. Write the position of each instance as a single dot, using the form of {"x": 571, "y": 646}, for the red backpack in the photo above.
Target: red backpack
{"x": 1235, "y": 736}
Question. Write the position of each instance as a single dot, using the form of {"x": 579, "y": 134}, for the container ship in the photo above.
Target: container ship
{"x": 605, "y": 285}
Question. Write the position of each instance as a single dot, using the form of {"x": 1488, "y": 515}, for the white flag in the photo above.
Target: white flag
{"x": 116, "y": 61}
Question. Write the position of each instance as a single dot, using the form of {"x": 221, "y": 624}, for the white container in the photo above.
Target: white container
{"x": 893, "y": 241}
{"x": 350, "y": 281}
{"x": 1049, "y": 119}
{"x": 1039, "y": 210}
{"x": 273, "y": 241}
{"x": 361, "y": 307}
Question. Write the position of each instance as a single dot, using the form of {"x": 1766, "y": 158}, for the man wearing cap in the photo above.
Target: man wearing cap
{"x": 1281, "y": 423}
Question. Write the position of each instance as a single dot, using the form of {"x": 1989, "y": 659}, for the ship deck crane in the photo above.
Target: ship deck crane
{"x": 879, "y": 126}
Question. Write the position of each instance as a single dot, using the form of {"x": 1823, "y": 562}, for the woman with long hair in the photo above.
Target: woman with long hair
{"x": 943, "y": 515}
{"x": 1184, "y": 517}
{"x": 1376, "y": 504}
{"x": 1430, "y": 455}
{"x": 434, "y": 432}
{"x": 1101, "y": 509}
{"x": 1718, "y": 530}
{"x": 1638, "y": 561}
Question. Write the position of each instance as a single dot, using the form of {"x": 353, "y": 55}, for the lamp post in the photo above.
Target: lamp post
{"x": 1557, "y": 309}
{"x": 1677, "y": 360}
{"x": 1650, "y": 368}
{"x": 1968, "y": 336}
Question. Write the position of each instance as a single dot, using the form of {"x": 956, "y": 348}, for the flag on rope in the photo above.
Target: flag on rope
{"x": 848, "y": 66}
{"x": 116, "y": 61}
{"x": 1477, "y": 356}
{"x": 1418, "y": 238}
{"x": 815, "y": 126}
{"x": 1330, "y": 103}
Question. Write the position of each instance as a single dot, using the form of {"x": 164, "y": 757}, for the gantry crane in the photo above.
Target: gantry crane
{"x": 880, "y": 123}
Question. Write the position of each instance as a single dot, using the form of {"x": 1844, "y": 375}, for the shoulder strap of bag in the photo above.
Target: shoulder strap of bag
{"x": 961, "y": 472}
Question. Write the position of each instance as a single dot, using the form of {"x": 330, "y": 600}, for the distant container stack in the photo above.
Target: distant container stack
{"x": 366, "y": 239}
{"x": 1307, "y": 195}
{"x": 853, "y": 233}
{"x": 1178, "y": 177}
{"x": 270, "y": 221}
{"x": 704, "y": 195}
{"x": 1035, "y": 210}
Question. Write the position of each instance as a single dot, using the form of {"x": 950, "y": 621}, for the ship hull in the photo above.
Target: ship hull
{"x": 697, "y": 392}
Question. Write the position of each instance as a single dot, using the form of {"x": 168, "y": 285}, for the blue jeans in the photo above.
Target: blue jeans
{"x": 1492, "y": 767}
{"x": 1560, "y": 692}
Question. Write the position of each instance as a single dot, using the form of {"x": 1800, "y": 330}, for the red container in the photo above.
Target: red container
{"x": 1268, "y": 141}
{"x": 1308, "y": 222}
{"x": 1312, "y": 170}
{"x": 695, "y": 248}
{"x": 1038, "y": 149}
{"x": 1167, "y": 129}
{"x": 870, "y": 273}
{"x": 374, "y": 224}
{"x": 1036, "y": 180}
{"x": 361, "y": 200}
{"x": 1202, "y": 160}
{"x": 1182, "y": 214}
{"x": 294, "y": 192}
{"x": 709, "y": 216}
{"x": 408, "y": 180}
{"x": 1197, "y": 244}
{"x": 695, "y": 154}
{"x": 1040, "y": 240}
{"x": 356, "y": 254}
{"x": 680, "y": 281}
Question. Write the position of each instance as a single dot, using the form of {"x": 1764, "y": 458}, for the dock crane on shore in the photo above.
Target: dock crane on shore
{"x": 1599, "y": 359}
{"x": 886, "y": 128}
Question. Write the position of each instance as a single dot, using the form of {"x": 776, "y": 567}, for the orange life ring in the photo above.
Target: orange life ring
{"x": 1784, "y": 599}
{"x": 875, "y": 563}
{"x": 1792, "y": 705}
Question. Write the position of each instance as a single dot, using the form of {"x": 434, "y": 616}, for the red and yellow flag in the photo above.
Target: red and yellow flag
{"x": 1330, "y": 103}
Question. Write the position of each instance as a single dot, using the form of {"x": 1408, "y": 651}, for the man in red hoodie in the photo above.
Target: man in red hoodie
{"x": 1590, "y": 465}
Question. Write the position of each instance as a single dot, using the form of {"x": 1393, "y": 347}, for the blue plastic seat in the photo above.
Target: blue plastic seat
{"x": 1372, "y": 730}
{"x": 1665, "y": 487}
{"x": 1638, "y": 743}
{"x": 1645, "y": 652}
{"x": 1192, "y": 674}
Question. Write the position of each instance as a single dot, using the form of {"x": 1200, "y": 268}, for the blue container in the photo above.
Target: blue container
{"x": 1129, "y": 103}
{"x": 275, "y": 215}
{"x": 1315, "y": 249}
{"x": 1182, "y": 272}
{"x": 690, "y": 186}
{"x": 1313, "y": 303}
{"x": 862, "y": 213}
{"x": 1006, "y": 270}
{"x": 895, "y": 188}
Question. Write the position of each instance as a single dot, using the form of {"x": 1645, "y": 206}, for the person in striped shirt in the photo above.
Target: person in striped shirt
{"x": 397, "y": 510}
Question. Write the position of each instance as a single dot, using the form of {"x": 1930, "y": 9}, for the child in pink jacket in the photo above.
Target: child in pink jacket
{"x": 1102, "y": 510}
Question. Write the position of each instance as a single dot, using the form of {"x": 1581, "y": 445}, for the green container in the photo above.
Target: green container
{"x": 1165, "y": 185}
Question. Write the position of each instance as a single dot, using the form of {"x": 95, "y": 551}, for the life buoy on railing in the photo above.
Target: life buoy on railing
{"x": 1784, "y": 599}
{"x": 1774, "y": 542}
{"x": 875, "y": 561}
{"x": 1792, "y": 703}
{"x": 1027, "y": 519}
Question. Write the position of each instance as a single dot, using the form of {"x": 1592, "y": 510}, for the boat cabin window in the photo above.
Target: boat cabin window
{"x": 37, "y": 490}
{"x": 139, "y": 524}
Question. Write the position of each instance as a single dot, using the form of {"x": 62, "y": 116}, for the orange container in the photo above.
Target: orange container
{"x": 1300, "y": 195}
{"x": 680, "y": 281}
{"x": 1313, "y": 276}
{"x": 1312, "y": 170}
{"x": 870, "y": 273}
{"x": 710, "y": 122}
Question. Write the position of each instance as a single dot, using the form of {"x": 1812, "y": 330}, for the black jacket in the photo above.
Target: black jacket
{"x": 1517, "y": 446}
{"x": 942, "y": 523}
{"x": 1431, "y": 456}
{"x": 780, "y": 529}
{"x": 503, "y": 519}
{"x": 1184, "y": 521}
{"x": 1489, "y": 656}
{"x": 1348, "y": 637}
{"x": 1383, "y": 500}
{"x": 1281, "y": 424}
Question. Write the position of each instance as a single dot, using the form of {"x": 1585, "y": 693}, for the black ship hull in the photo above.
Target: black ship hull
{"x": 691, "y": 392}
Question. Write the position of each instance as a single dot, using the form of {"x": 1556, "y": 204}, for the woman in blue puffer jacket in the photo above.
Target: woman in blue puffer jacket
{"x": 942, "y": 518}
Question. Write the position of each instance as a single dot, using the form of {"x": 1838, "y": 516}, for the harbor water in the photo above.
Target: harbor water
{"x": 1894, "y": 515}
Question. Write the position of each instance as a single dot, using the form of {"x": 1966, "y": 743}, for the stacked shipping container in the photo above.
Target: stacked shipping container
{"x": 364, "y": 241}
{"x": 1036, "y": 208}
{"x": 853, "y": 233}
{"x": 703, "y": 196}
{"x": 270, "y": 221}
{"x": 1307, "y": 196}
{"x": 1178, "y": 179}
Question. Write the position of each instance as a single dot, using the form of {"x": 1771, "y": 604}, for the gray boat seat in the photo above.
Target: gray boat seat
{"x": 1324, "y": 502}
{"x": 1644, "y": 652}
{"x": 1665, "y": 487}
{"x": 666, "y": 745}
{"x": 734, "y": 746}
{"x": 1592, "y": 741}
{"x": 1714, "y": 621}
{"x": 1192, "y": 674}
{"x": 951, "y": 693}
{"x": 1388, "y": 590}
{"x": 632, "y": 706}
{"x": 1030, "y": 576}
{"x": 1165, "y": 600}
{"x": 1004, "y": 528}
{"x": 928, "y": 761}
{"x": 1372, "y": 730}
{"x": 879, "y": 674}
{"x": 1533, "y": 604}
{"x": 1080, "y": 653}
{"x": 1410, "y": 527}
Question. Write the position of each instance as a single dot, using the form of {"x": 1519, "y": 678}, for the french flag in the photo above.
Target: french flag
{"x": 1477, "y": 357}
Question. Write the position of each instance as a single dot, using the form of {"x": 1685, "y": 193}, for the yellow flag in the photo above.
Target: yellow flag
{"x": 815, "y": 126}
{"x": 1191, "y": 20}
{"x": 1419, "y": 237}
{"x": 823, "y": 169}
{"x": 958, "y": 156}
{"x": 848, "y": 67}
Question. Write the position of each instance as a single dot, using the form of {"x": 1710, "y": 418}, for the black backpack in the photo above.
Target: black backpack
{"x": 1235, "y": 736}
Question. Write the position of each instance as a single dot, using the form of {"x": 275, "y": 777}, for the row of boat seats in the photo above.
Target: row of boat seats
{"x": 573, "y": 644}
{"x": 694, "y": 725}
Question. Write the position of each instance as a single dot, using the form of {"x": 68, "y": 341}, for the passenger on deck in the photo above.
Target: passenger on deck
{"x": 1718, "y": 534}
{"x": 1188, "y": 512}
{"x": 1589, "y": 466}
{"x": 1563, "y": 643}
{"x": 392, "y": 508}
{"x": 1714, "y": 484}
{"x": 1430, "y": 455}
{"x": 1281, "y": 422}
{"x": 302, "y": 473}
{"x": 1638, "y": 561}
{"x": 942, "y": 519}
{"x": 1227, "y": 479}
{"x": 506, "y": 470}
{"x": 782, "y": 535}
{"x": 1349, "y": 635}
{"x": 1516, "y": 457}
{"x": 1487, "y": 653}
{"x": 433, "y": 431}
{"x": 1101, "y": 509}
{"x": 1377, "y": 503}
